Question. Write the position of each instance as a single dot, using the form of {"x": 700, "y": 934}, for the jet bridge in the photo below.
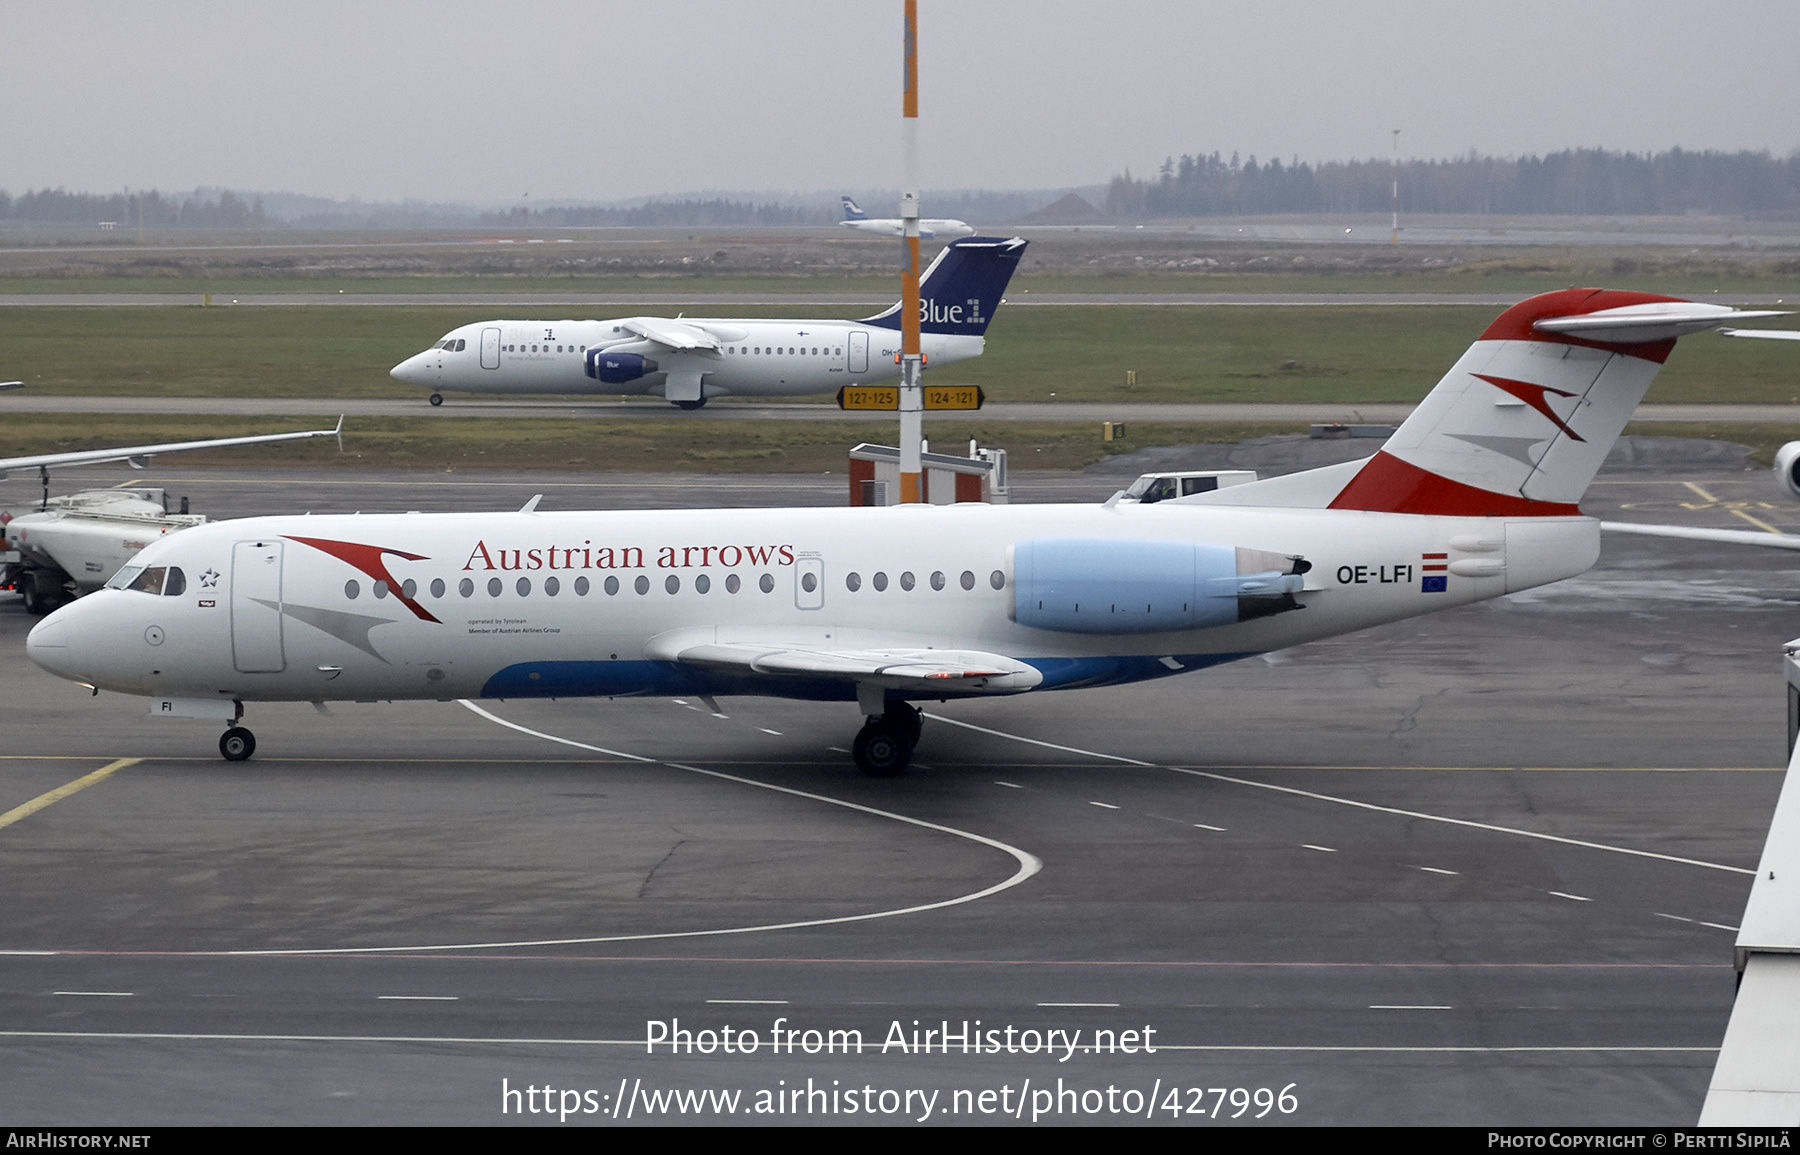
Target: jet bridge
{"x": 1756, "y": 1082}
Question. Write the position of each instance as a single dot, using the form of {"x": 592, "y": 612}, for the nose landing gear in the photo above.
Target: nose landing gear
{"x": 237, "y": 744}
{"x": 885, "y": 744}
{"x": 437, "y": 399}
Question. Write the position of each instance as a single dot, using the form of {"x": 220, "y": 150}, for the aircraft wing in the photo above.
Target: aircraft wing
{"x": 674, "y": 334}
{"x": 903, "y": 668}
{"x": 1770, "y": 334}
{"x": 1695, "y": 533}
{"x": 136, "y": 454}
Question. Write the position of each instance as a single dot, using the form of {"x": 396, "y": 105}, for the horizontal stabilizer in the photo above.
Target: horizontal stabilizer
{"x": 1656, "y": 321}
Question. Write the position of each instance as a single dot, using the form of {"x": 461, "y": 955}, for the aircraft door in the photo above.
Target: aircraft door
{"x": 490, "y": 348}
{"x": 859, "y": 352}
{"x": 256, "y": 607}
{"x": 809, "y": 582}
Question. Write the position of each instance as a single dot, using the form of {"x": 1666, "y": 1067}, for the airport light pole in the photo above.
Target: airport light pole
{"x": 912, "y": 361}
{"x": 1395, "y": 239}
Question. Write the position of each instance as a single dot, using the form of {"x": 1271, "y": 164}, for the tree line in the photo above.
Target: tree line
{"x": 1582, "y": 182}
{"x": 60, "y": 206}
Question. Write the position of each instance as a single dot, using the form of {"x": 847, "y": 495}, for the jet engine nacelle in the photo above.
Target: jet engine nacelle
{"x": 617, "y": 368}
{"x": 1128, "y": 586}
{"x": 1787, "y": 466}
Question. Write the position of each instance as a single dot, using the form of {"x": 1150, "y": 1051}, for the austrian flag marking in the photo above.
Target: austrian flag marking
{"x": 1436, "y": 568}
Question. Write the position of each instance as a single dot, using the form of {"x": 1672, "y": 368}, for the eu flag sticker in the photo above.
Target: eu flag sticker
{"x": 1437, "y": 580}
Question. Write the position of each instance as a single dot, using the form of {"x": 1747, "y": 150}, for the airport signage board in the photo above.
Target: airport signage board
{"x": 869, "y": 397}
{"x": 888, "y": 397}
{"x": 953, "y": 397}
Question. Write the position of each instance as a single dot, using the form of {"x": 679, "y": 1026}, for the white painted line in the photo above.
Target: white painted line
{"x": 1722, "y": 926}
{"x": 1009, "y": 785}
{"x": 1575, "y": 897}
{"x": 420, "y": 998}
{"x": 1310, "y": 846}
{"x": 766, "y": 730}
{"x": 1078, "y": 1004}
{"x": 1676, "y": 917}
{"x": 1436, "y": 870}
{"x": 1345, "y": 801}
{"x": 748, "y": 1002}
{"x": 1104, "y": 805}
{"x": 1204, "y": 826}
{"x": 1029, "y": 864}
{"x": 97, "y": 994}
{"x": 1408, "y": 1007}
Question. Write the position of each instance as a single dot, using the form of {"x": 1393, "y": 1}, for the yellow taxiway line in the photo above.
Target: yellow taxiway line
{"x": 66, "y": 789}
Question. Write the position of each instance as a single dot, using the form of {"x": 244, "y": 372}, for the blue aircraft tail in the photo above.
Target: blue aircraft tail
{"x": 851, "y": 212}
{"x": 963, "y": 286}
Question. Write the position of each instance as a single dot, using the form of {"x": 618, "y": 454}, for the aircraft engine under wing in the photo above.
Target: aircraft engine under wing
{"x": 948, "y": 671}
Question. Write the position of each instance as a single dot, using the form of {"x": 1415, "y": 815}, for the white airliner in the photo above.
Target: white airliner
{"x": 689, "y": 360}
{"x": 1475, "y": 496}
{"x": 855, "y": 218}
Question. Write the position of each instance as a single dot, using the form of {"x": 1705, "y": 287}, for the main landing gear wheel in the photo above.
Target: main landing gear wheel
{"x": 237, "y": 744}
{"x": 437, "y": 399}
{"x": 884, "y": 745}
{"x": 689, "y": 404}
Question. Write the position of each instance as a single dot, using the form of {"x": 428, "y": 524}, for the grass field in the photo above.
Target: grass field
{"x": 1340, "y": 354}
{"x": 671, "y": 445}
{"x": 637, "y": 445}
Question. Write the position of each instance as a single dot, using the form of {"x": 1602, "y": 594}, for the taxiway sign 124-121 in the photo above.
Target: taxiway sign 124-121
{"x": 1475, "y": 496}
{"x": 687, "y": 360}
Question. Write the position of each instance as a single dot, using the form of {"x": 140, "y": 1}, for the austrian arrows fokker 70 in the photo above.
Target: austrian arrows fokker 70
{"x": 1475, "y": 496}
{"x": 688, "y": 360}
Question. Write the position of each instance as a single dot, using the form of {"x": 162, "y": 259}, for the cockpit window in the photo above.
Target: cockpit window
{"x": 175, "y": 583}
{"x": 150, "y": 581}
{"x": 461, "y": 343}
{"x": 124, "y": 578}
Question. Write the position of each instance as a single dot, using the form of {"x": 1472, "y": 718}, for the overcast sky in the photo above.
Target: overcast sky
{"x": 464, "y": 100}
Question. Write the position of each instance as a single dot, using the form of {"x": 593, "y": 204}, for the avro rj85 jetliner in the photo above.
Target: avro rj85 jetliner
{"x": 689, "y": 360}
{"x": 1474, "y": 496}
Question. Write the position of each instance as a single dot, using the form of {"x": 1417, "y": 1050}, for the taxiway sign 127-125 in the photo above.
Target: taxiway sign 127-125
{"x": 689, "y": 360}
{"x": 1475, "y": 496}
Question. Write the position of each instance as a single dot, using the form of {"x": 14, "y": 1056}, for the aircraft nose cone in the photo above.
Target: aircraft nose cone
{"x": 48, "y": 644}
{"x": 412, "y": 370}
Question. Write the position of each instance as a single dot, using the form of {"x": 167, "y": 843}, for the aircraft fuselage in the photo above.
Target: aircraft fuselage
{"x": 508, "y": 605}
{"x": 757, "y": 358}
